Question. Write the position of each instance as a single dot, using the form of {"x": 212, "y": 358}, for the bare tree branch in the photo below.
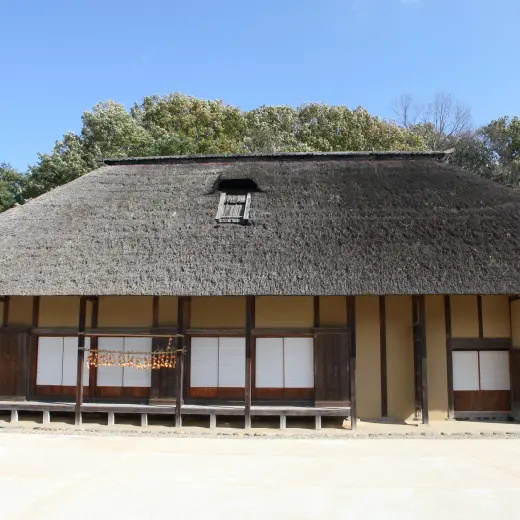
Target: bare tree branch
{"x": 407, "y": 111}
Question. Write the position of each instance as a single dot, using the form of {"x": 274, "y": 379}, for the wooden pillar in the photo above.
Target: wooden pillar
{"x": 93, "y": 346}
{"x": 183, "y": 322}
{"x": 514, "y": 362}
{"x": 250, "y": 324}
{"x": 449, "y": 356}
{"x": 480, "y": 319}
{"x": 5, "y": 311}
{"x": 420, "y": 359}
{"x": 32, "y": 352}
{"x": 316, "y": 312}
{"x": 155, "y": 312}
{"x": 384, "y": 372}
{"x": 81, "y": 358}
{"x": 424, "y": 360}
{"x": 351, "y": 310}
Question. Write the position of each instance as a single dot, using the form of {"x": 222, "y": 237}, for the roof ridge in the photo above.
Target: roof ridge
{"x": 278, "y": 156}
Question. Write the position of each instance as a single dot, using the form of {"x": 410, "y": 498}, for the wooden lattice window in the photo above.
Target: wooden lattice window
{"x": 234, "y": 208}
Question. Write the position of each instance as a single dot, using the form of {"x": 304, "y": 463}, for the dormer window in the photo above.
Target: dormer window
{"x": 235, "y": 200}
{"x": 234, "y": 208}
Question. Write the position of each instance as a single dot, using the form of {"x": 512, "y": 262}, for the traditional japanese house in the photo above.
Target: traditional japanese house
{"x": 369, "y": 285}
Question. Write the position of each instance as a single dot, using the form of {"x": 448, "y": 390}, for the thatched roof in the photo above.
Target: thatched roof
{"x": 321, "y": 224}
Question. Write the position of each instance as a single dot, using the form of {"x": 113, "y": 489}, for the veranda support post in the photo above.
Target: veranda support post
{"x": 81, "y": 358}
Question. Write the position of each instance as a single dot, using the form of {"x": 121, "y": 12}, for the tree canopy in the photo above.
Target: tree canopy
{"x": 178, "y": 124}
{"x": 11, "y": 187}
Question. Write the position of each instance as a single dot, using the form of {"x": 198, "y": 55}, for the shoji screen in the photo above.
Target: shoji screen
{"x": 465, "y": 370}
{"x": 284, "y": 363}
{"x": 232, "y": 362}
{"x": 204, "y": 362}
{"x": 218, "y": 362}
{"x": 299, "y": 362}
{"x": 494, "y": 370}
{"x": 269, "y": 363}
{"x": 50, "y": 361}
{"x": 57, "y": 361}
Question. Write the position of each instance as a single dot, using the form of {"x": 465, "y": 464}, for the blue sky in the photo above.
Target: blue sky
{"x": 59, "y": 58}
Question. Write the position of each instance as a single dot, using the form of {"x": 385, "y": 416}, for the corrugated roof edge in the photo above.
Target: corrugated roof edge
{"x": 285, "y": 156}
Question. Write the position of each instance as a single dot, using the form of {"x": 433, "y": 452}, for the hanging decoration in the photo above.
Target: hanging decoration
{"x": 156, "y": 360}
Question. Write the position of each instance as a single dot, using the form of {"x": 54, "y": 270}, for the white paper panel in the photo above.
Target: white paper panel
{"x": 70, "y": 362}
{"x": 50, "y": 355}
{"x": 269, "y": 363}
{"x": 232, "y": 362}
{"x": 204, "y": 362}
{"x": 135, "y": 376}
{"x": 110, "y": 376}
{"x": 465, "y": 370}
{"x": 299, "y": 362}
{"x": 494, "y": 370}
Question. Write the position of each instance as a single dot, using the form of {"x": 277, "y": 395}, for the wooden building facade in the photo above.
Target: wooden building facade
{"x": 328, "y": 313}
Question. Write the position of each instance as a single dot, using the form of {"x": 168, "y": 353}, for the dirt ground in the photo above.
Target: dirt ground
{"x": 47, "y": 475}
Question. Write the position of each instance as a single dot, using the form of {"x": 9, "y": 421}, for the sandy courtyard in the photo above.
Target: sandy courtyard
{"x": 46, "y": 476}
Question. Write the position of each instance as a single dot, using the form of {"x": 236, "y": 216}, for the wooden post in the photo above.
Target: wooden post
{"x": 480, "y": 320}
{"x": 351, "y": 304}
{"x": 155, "y": 312}
{"x": 32, "y": 352}
{"x": 417, "y": 365}
{"x": 250, "y": 319}
{"x": 424, "y": 360}
{"x": 81, "y": 358}
{"x": 420, "y": 359}
{"x": 449, "y": 356}
{"x": 183, "y": 320}
{"x": 316, "y": 311}
{"x": 382, "y": 346}
{"x": 5, "y": 316}
{"x": 93, "y": 346}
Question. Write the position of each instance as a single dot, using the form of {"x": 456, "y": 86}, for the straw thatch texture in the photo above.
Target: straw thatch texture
{"x": 320, "y": 225}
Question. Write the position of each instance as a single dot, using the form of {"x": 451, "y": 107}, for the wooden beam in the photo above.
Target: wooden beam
{"x": 5, "y": 311}
{"x": 81, "y": 359}
{"x": 284, "y": 332}
{"x": 132, "y": 332}
{"x": 217, "y": 332}
{"x": 449, "y": 356}
{"x": 480, "y": 320}
{"x": 351, "y": 311}
{"x": 382, "y": 348}
{"x": 250, "y": 323}
{"x": 481, "y": 343}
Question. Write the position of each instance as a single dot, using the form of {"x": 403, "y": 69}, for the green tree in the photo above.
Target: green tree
{"x": 502, "y": 138}
{"x": 178, "y": 124}
{"x": 11, "y": 186}
{"x": 185, "y": 124}
{"x": 68, "y": 161}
